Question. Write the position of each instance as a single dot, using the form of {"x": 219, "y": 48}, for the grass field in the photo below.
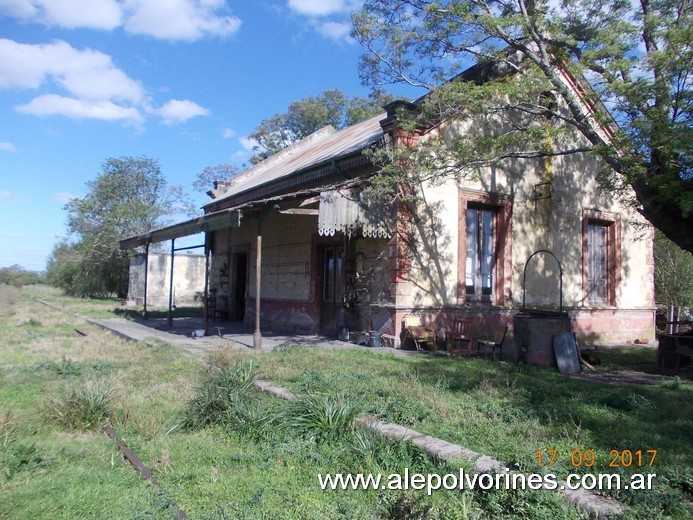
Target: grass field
{"x": 221, "y": 449}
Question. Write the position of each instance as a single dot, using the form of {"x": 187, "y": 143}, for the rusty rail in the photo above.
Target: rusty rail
{"x": 137, "y": 464}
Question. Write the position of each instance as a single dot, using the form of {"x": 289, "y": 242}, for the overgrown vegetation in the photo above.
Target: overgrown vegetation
{"x": 85, "y": 407}
{"x": 222, "y": 449}
{"x": 130, "y": 195}
{"x": 673, "y": 273}
{"x": 17, "y": 276}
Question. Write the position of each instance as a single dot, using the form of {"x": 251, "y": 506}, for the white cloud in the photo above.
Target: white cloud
{"x": 69, "y": 14}
{"x": 247, "y": 143}
{"x": 187, "y": 20}
{"x": 5, "y": 195}
{"x": 328, "y": 17}
{"x": 320, "y": 7}
{"x": 338, "y": 31}
{"x": 64, "y": 197}
{"x": 18, "y": 8}
{"x": 178, "y": 111}
{"x": 82, "y": 84}
{"x": 8, "y": 147}
{"x": 228, "y": 133}
{"x": 86, "y": 74}
{"x": 53, "y": 104}
{"x": 73, "y": 14}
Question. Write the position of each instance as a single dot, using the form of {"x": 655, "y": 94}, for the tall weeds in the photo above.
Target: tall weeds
{"x": 222, "y": 398}
{"x": 322, "y": 417}
{"x": 85, "y": 407}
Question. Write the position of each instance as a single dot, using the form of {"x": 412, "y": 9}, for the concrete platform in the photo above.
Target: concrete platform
{"x": 222, "y": 334}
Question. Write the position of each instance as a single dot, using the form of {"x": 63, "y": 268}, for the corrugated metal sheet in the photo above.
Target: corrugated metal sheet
{"x": 209, "y": 222}
{"x": 317, "y": 149}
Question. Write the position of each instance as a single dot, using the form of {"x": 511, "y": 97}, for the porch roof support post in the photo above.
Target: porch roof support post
{"x": 170, "y": 285}
{"x": 257, "y": 337}
{"x": 146, "y": 276}
{"x": 206, "y": 291}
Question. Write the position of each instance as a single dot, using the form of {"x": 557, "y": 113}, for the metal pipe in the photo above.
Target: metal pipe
{"x": 170, "y": 286}
{"x": 146, "y": 277}
{"x": 206, "y": 291}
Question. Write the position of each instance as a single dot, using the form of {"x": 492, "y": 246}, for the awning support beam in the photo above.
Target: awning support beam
{"x": 257, "y": 337}
{"x": 146, "y": 277}
{"x": 170, "y": 286}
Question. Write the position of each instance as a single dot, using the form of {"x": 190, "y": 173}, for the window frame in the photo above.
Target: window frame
{"x": 501, "y": 206}
{"x": 612, "y": 226}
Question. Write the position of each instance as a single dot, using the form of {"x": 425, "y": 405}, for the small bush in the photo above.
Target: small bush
{"x": 83, "y": 408}
{"x": 222, "y": 398}
{"x": 19, "y": 456}
{"x": 322, "y": 417}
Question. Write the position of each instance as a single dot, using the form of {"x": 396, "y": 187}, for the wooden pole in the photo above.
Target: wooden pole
{"x": 257, "y": 337}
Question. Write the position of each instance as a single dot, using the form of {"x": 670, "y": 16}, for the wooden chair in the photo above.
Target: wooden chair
{"x": 493, "y": 344}
{"x": 414, "y": 329}
{"x": 461, "y": 332}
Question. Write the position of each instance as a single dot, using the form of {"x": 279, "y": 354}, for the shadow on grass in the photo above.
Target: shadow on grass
{"x": 511, "y": 412}
{"x": 618, "y": 423}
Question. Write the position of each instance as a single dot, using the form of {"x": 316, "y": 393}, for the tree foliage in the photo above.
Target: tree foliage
{"x": 17, "y": 276}
{"x": 310, "y": 114}
{"x": 205, "y": 179}
{"x": 546, "y": 69}
{"x": 129, "y": 196}
{"x": 673, "y": 273}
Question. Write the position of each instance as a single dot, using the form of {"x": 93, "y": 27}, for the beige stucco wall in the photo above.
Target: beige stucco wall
{"x": 188, "y": 280}
{"x": 286, "y": 255}
{"x": 554, "y": 224}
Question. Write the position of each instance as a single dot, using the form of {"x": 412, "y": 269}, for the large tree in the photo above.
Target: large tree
{"x": 129, "y": 196}
{"x": 205, "y": 179}
{"x": 673, "y": 273}
{"x": 310, "y": 114}
{"x": 559, "y": 65}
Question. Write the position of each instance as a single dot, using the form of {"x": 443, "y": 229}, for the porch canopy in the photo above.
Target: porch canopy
{"x": 210, "y": 222}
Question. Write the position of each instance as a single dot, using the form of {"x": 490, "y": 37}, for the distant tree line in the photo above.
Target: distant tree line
{"x": 17, "y": 276}
{"x": 128, "y": 197}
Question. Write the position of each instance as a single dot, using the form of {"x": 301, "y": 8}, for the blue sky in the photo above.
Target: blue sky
{"x": 181, "y": 81}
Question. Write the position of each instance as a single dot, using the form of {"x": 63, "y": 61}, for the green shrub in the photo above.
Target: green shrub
{"x": 223, "y": 398}
{"x": 18, "y": 457}
{"x": 86, "y": 407}
{"x": 322, "y": 417}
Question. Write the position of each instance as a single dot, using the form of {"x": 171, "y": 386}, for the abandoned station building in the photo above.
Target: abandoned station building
{"x": 532, "y": 234}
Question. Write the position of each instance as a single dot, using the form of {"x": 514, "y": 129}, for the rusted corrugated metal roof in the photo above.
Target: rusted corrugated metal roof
{"x": 317, "y": 149}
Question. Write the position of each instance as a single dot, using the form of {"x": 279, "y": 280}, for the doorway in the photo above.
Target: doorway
{"x": 331, "y": 289}
{"x": 239, "y": 278}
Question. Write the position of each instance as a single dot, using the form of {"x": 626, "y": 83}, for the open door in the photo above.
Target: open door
{"x": 332, "y": 289}
{"x": 239, "y": 263}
